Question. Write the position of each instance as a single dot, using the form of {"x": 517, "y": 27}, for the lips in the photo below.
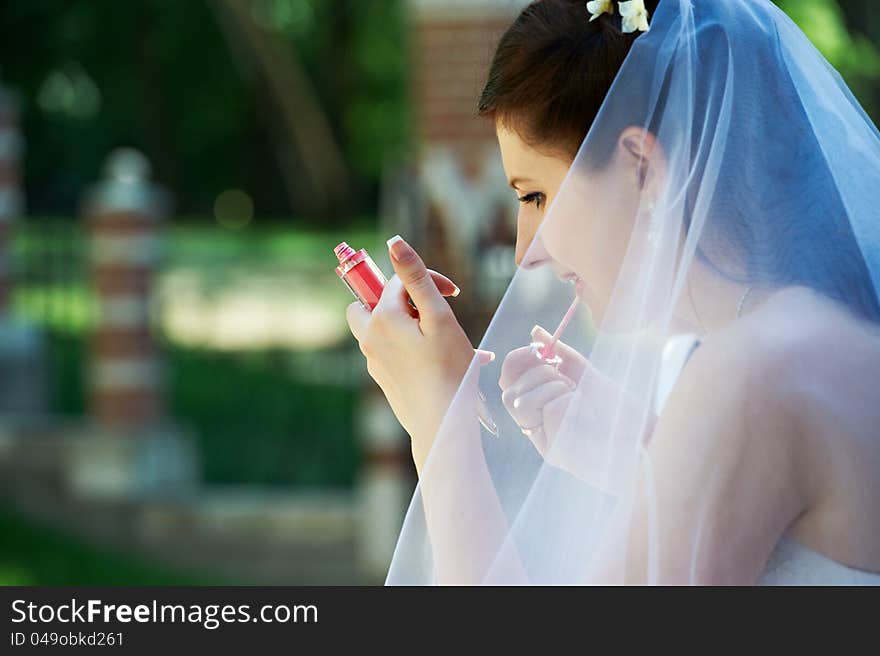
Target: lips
{"x": 572, "y": 277}
{"x": 579, "y": 285}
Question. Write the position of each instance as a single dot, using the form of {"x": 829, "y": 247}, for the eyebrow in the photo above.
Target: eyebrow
{"x": 516, "y": 181}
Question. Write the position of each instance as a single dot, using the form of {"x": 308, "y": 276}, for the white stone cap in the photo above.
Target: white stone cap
{"x": 127, "y": 187}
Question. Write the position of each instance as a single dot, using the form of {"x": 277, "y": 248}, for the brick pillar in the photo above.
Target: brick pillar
{"x": 468, "y": 205}
{"x": 123, "y": 213}
{"x": 11, "y": 197}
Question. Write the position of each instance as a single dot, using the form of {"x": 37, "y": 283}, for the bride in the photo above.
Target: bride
{"x": 696, "y": 207}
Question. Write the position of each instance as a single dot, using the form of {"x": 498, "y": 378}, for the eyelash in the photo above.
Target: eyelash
{"x": 535, "y": 197}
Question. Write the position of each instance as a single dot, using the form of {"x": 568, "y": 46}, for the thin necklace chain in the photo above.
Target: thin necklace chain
{"x": 742, "y": 301}
{"x": 739, "y": 308}
{"x": 694, "y": 305}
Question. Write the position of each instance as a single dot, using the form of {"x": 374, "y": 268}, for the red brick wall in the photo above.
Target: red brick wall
{"x": 450, "y": 62}
{"x": 452, "y": 43}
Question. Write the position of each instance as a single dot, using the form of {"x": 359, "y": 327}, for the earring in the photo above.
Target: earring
{"x": 653, "y": 224}
{"x": 642, "y": 173}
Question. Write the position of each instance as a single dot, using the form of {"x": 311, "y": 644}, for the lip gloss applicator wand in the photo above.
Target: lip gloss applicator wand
{"x": 547, "y": 352}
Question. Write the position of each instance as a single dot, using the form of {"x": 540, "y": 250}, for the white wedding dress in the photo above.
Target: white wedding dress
{"x": 791, "y": 563}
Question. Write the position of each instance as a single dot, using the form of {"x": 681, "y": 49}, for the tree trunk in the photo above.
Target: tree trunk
{"x": 319, "y": 169}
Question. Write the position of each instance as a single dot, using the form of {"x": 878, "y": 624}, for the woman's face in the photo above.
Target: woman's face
{"x": 592, "y": 224}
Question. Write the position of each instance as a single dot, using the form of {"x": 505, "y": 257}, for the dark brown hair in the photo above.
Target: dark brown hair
{"x": 551, "y": 72}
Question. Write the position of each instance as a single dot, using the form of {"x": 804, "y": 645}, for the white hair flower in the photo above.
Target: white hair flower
{"x": 599, "y": 7}
{"x": 635, "y": 16}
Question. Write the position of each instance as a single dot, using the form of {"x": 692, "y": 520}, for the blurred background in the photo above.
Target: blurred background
{"x": 180, "y": 398}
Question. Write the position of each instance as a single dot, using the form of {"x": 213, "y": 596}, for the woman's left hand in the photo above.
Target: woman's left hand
{"x": 537, "y": 396}
{"x": 418, "y": 362}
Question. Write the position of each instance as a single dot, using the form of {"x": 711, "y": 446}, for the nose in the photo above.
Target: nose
{"x": 530, "y": 252}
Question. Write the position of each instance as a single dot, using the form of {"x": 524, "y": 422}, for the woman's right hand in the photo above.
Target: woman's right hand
{"x": 418, "y": 358}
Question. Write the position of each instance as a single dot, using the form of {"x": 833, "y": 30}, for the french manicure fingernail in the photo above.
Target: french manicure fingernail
{"x": 482, "y": 351}
{"x": 399, "y": 250}
{"x": 457, "y": 291}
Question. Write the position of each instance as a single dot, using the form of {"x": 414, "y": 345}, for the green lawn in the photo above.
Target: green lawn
{"x": 32, "y": 554}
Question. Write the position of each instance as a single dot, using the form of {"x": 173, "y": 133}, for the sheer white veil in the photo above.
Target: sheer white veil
{"x": 769, "y": 177}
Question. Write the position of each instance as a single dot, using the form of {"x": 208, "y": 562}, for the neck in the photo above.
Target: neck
{"x": 709, "y": 302}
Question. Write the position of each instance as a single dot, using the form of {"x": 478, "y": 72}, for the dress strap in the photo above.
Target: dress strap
{"x": 676, "y": 352}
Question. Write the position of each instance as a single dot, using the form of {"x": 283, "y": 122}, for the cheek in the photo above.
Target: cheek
{"x": 591, "y": 236}
{"x": 528, "y": 221}
{"x": 615, "y": 229}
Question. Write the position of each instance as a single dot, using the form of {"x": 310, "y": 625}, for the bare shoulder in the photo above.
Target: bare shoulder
{"x": 799, "y": 345}
{"x": 799, "y": 389}
{"x": 753, "y": 377}
{"x": 814, "y": 367}
{"x": 731, "y": 426}
{"x": 805, "y": 366}
{"x": 755, "y": 366}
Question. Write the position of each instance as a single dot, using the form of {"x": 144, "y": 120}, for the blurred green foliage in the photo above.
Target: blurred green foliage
{"x": 254, "y": 423}
{"x": 848, "y": 42}
{"x": 257, "y": 420}
{"x": 32, "y": 554}
{"x": 161, "y": 75}
{"x": 258, "y": 426}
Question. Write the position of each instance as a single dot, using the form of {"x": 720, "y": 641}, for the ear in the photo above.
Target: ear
{"x": 643, "y": 155}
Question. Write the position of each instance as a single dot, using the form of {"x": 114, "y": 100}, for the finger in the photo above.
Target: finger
{"x": 519, "y": 361}
{"x": 484, "y": 357}
{"x": 533, "y": 378}
{"x": 357, "y": 317}
{"x": 528, "y": 409}
{"x": 538, "y": 437}
{"x": 516, "y": 363}
{"x": 573, "y": 362}
{"x": 555, "y": 413}
{"x": 444, "y": 284}
{"x": 394, "y": 309}
{"x": 394, "y": 302}
{"x": 414, "y": 275}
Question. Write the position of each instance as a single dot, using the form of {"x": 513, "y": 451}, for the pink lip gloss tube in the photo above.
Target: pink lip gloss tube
{"x": 360, "y": 274}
